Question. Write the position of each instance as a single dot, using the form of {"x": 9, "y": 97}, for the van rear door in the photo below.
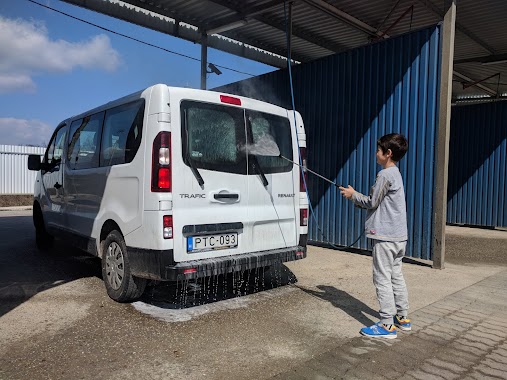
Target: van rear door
{"x": 272, "y": 195}
{"x": 209, "y": 186}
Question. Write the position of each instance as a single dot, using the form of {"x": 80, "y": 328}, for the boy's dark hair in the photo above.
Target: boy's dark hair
{"x": 396, "y": 142}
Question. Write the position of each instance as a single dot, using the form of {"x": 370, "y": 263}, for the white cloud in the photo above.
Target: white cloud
{"x": 27, "y": 50}
{"x": 16, "y": 82}
{"x": 22, "y": 132}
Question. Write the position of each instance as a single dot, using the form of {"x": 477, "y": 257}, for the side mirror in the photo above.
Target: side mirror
{"x": 34, "y": 162}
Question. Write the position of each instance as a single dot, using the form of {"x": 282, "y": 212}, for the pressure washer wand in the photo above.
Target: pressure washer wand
{"x": 311, "y": 171}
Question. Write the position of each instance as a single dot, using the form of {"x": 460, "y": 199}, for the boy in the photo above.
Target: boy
{"x": 386, "y": 225}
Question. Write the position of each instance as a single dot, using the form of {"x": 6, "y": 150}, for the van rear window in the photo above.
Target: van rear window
{"x": 212, "y": 134}
{"x": 274, "y": 128}
{"x": 214, "y": 137}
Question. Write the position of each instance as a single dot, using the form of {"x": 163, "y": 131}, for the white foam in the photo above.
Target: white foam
{"x": 182, "y": 315}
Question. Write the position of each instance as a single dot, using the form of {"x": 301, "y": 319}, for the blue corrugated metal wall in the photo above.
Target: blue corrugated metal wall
{"x": 348, "y": 101}
{"x": 477, "y": 188}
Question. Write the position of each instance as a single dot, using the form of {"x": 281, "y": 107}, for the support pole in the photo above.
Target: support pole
{"x": 442, "y": 152}
{"x": 289, "y": 42}
{"x": 204, "y": 59}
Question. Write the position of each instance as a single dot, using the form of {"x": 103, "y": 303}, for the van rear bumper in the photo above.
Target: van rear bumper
{"x": 160, "y": 265}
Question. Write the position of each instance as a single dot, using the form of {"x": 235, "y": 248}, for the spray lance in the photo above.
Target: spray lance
{"x": 266, "y": 146}
{"x": 310, "y": 171}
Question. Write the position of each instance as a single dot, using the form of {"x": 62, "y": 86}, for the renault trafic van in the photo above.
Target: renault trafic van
{"x": 161, "y": 185}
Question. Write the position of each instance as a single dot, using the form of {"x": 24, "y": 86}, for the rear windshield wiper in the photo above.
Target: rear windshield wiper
{"x": 257, "y": 166}
{"x": 188, "y": 159}
{"x": 255, "y": 161}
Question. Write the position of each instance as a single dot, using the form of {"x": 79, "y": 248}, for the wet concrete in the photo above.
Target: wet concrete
{"x": 56, "y": 321}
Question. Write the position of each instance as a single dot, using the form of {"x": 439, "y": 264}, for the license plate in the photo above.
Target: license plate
{"x": 211, "y": 242}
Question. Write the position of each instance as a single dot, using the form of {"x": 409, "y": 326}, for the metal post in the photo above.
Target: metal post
{"x": 289, "y": 42}
{"x": 442, "y": 152}
{"x": 204, "y": 59}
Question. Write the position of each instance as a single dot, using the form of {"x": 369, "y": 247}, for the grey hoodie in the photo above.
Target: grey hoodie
{"x": 386, "y": 218}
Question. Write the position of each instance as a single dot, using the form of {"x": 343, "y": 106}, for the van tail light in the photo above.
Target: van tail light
{"x": 303, "y": 173}
{"x": 168, "y": 226}
{"x": 161, "y": 173}
{"x": 303, "y": 217}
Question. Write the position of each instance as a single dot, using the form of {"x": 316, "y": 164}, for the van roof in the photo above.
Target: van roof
{"x": 246, "y": 102}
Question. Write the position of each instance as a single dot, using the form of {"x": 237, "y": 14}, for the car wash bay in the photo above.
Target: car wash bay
{"x": 360, "y": 70}
{"x": 351, "y": 99}
{"x": 348, "y": 101}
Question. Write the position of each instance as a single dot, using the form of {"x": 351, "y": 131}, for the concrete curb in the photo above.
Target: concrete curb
{"x": 15, "y": 208}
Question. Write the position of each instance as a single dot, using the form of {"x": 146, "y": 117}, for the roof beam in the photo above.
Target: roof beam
{"x": 296, "y": 31}
{"x": 152, "y": 7}
{"x": 485, "y": 60}
{"x": 368, "y": 29}
{"x": 244, "y": 14}
{"x": 344, "y": 17}
{"x": 429, "y": 5}
{"x": 484, "y": 88}
{"x": 164, "y": 23}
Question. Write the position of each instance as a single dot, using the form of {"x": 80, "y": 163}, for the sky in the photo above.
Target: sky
{"x": 53, "y": 67}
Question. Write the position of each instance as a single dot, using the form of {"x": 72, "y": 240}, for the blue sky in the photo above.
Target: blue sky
{"x": 53, "y": 67}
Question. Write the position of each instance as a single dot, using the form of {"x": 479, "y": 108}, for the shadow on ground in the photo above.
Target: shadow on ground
{"x": 344, "y": 301}
{"x": 25, "y": 271}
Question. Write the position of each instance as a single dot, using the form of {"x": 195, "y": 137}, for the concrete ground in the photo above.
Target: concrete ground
{"x": 56, "y": 321}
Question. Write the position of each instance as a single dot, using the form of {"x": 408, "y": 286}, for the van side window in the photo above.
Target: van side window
{"x": 54, "y": 151}
{"x": 274, "y": 128}
{"x": 84, "y": 142}
{"x": 212, "y": 134}
{"x": 123, "y": 128}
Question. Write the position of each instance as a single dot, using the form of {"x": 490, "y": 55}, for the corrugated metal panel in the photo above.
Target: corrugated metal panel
{"x": 477, "y": 72}
{"x": 375, "y": 13}
{"x": 321, "y": 27}
{"x": 477, "y": 189}
{"x": 486, "y": 19}
{"x": 15, "y": 178}
{"x": 348, "y": 101}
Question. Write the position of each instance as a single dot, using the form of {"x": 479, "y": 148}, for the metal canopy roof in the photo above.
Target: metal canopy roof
{"x": 255, "y": 29}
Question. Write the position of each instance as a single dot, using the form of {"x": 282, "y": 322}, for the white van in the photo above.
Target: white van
{"x": 161, "y": 185}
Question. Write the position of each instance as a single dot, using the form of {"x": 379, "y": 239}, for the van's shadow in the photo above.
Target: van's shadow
{"x": 203, "y": 291}
{"x": 25, "y": 272}
{"x": 343, "y": 300}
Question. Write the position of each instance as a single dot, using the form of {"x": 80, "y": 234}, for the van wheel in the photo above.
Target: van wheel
{"x": 121, "y": 286}
{"x": 43, "y": 240}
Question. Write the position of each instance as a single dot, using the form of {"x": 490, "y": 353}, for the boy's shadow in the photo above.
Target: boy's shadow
{"x": 343, "y": 300}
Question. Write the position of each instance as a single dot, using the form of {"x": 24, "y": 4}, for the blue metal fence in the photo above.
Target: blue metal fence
{"x": 348, "y": 101}
{"x": 477, "y": 188}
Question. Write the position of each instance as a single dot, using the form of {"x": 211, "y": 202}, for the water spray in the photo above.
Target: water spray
{"x": 267, "y": 146}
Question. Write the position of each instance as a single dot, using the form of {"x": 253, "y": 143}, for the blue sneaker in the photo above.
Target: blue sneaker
{"x": 402, "y": 323}
{"x": 378, "y": 330}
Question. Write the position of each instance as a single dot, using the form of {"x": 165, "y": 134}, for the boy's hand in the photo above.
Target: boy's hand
{"x": 347, "y": 192}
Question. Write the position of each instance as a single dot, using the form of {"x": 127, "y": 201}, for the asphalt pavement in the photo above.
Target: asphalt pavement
{"x": 298, "y": 321}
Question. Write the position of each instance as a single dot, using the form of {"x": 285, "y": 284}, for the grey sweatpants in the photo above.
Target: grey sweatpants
{"x": 391, "y": 289}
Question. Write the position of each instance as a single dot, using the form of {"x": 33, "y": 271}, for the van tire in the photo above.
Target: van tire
{"x": 43, "y": 240}
{"x": 121, "y": 286}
